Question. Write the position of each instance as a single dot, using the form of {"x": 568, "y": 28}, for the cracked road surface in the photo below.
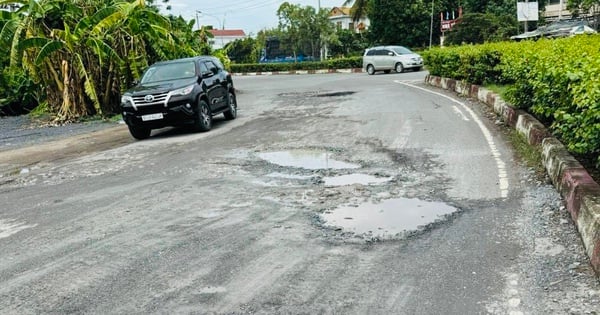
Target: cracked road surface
{"x": 329, "y": 194}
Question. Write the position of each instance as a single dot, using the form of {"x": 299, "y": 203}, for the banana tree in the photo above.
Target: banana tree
{"x": 85, "y": 51}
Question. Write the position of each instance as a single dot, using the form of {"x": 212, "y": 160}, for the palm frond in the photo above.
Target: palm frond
{"x": 47, "y": 50}
{"x": 89, "y": 86}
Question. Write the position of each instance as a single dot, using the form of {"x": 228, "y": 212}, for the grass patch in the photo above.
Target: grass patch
{"x": 499, "y": 89}
{"x": 530, "y": 155}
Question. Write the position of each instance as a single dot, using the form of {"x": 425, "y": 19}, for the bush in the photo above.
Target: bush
{"x": 19, "y": 94}
{"x": 558, "y": 80}
{"x": 343, "y": 63}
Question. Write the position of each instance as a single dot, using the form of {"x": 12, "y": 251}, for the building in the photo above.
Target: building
{"x": 342, "y": 18}
{"x": 224, "y": 37}
{"x": 557, "y": 10}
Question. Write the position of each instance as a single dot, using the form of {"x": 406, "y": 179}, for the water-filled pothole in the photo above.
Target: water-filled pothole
{"x": 351, "y": 179}
{"x": 388, "y": 219}
{"x": 288, "y": 176}
{"x": 307, "y": 159}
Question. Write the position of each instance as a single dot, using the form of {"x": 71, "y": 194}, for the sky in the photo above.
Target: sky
{"x": 250, "y": 16}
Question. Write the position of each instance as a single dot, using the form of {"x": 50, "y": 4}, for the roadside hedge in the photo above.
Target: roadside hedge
{"x": 557, "y": 80}
{"x": 343, "y": 63}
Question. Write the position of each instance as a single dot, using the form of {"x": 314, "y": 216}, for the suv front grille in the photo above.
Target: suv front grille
{"x": 151, "y": 99}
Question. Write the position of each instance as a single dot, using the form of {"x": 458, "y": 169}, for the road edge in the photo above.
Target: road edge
{"x": 580, "y": 192}
{"x": 321, "y": 71}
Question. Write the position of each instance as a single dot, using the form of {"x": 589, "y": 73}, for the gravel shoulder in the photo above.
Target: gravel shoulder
{"x": 26, "y": 143}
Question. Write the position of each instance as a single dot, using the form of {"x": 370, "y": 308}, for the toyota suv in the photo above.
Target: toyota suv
{"x": 179, "y": 92}
{"x": 388, "y": 58}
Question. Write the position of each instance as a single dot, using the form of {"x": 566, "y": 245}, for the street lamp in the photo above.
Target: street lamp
{"x": 221, "y": 23}
{"x": 197, "y": 19}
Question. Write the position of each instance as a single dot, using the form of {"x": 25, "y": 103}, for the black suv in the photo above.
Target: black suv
{"x": 179, "y": 92}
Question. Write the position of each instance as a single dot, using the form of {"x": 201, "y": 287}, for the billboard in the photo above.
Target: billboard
{"x": 527, "y": 11}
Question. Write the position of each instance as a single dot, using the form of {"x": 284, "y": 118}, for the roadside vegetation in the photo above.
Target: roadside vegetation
{"x": 557, "y": 80}
{"x": 72, "y": 59}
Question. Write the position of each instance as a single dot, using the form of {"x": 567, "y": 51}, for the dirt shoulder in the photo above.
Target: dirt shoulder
{"x": 15, "y": 160}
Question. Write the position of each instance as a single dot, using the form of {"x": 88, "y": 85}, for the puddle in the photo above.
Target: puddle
{"x": 307, "y": 159}
{"x": 288, "y": 176}
{"x": 388, "y": 218}
{"x": 352, "y": 179}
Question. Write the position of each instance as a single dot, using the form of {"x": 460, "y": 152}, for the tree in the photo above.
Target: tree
{"x": 476, "y": 28}
{"x": 359, "y": 8}
{"x": 85, "y": 52}
{"x": 304, "y": 29}
{"x": 347, "y": 43}
{"x": 242, "y": 50}
{"x": 580, "y": 7}
{"x": 399, "y": 22}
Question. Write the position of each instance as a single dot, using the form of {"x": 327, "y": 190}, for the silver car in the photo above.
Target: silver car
{"x": 388, "y": 58}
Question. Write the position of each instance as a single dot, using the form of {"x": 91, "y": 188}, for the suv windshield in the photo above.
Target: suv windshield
{"x": 401, "y": 50}
{"x": 169, "y": 71}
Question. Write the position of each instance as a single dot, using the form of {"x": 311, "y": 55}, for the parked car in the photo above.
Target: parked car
{"x": 388, "y": 58}
{"x": 179, "y": 92}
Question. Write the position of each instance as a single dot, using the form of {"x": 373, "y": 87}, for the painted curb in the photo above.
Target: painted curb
{"x": 580, "y": 192}
{"x": 298, "y": 72}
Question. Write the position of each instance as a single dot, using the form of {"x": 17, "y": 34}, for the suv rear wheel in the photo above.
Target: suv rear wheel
{"x": 231, "y": 113}
{"x": 204, "y": 116}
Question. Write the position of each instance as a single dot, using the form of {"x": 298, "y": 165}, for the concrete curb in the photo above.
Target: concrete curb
{"x": 322, "y": 71}
{"x": 580, "y": 192}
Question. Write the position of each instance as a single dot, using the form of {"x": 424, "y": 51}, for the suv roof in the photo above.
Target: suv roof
{"x": 386, "y": 47}
{"x": 196, "y": 58}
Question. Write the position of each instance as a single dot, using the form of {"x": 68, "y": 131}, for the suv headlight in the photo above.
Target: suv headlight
{"x": 184, "y": 91}
{"x": 126, "y": 99}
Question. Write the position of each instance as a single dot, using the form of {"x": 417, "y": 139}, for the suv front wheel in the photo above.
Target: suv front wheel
{"x": 399, "y": 68}
{"x": 370, "y": 69}
{"x": 204, "y": 116}
{"x": 139, "y": 133}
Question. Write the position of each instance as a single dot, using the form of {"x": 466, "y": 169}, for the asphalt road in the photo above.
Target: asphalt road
{"x": 329, "y": 194}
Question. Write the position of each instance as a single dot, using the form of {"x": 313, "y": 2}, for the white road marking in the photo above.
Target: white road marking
{"x": 457, "y": 110}
{"x": 502, "y": 174}
{"x": 10, "y": 227}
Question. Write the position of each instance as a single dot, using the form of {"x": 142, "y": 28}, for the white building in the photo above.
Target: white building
{"x": 224, "y": 37}
{"x": 342, "y": 18}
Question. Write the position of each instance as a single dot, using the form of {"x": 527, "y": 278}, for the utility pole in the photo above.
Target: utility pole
{"x": 527, "y": 6}
{"x": 320, "y": 35}
{"x": 431, "y": 25}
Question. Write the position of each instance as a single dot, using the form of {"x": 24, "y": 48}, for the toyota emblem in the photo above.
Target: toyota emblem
{"x": 149, "y": 98}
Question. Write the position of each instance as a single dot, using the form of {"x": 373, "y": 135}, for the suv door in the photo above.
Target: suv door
{"x": 387, "y": 59}
{"x": 212, "y": 85}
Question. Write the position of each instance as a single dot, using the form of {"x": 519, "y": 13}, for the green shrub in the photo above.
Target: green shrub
{"x": 558, "y": 80}
{"x": 343, "y": 63}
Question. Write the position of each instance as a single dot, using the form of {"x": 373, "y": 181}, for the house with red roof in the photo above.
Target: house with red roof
{"x": 223, "y": 37}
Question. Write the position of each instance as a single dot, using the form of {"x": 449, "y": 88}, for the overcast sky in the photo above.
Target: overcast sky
{"x": 251, "y": 16}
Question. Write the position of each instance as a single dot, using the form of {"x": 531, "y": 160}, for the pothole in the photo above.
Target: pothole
{"x": 389, "y": 219}
{"x": 352, "y": 179}
{"x": 306, "y": 159}
{"x": 288, "y": 176}
{"x": 334, "y": 94}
